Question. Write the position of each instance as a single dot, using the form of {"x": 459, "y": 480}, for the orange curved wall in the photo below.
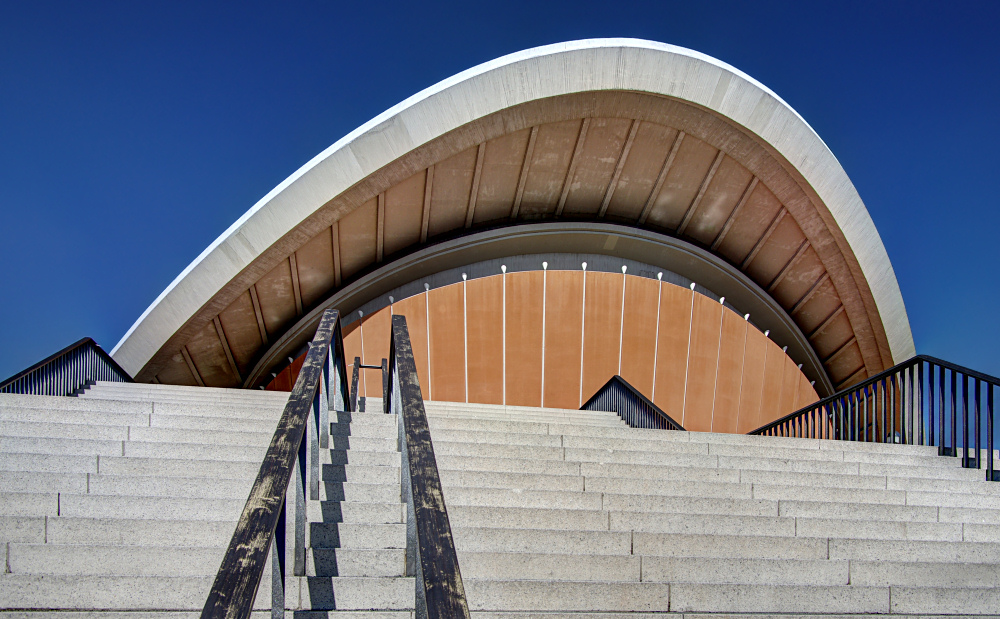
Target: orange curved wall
{"x": 552, "y": 338}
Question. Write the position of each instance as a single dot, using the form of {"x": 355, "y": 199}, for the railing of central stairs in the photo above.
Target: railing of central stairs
{"x": 292, "y": 465}
{"x": 922, "y": 401}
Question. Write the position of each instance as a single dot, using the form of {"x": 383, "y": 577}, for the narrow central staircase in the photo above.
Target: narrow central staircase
{"x": 124, "y": 500}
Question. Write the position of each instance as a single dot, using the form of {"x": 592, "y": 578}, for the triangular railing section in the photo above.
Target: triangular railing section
{"x": 634, "y": 408}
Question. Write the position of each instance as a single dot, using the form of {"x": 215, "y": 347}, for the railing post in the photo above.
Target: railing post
{"x": 355, "y": 380}
{"x": 991, "y": 474}
{"x": 278, "y": 571}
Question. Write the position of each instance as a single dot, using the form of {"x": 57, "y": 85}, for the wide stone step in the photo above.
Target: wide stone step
{"x": 74, "y": 417}
{"x": 731, "y": 546}
{"x": 355, "y": 512}
{"x": 356, "y": 562}
{"x": 94, "y": 560}
{"x": 63, "y": 430}
{"x": 532, "y": 540}
{"x": 346, "y": 593}
{"x": 538, "y": 595}
{"x": 517, "y": 481}
{"x": 754, "y": 571}
{"x": 727, "y": 598}
{"x": 28, "y": 591}
{"x": 144, "y": 532}
{"x": 355, "y": 535}
{"x": 57, "y": 403}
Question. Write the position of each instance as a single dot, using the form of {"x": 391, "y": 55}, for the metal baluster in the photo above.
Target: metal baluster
{"x": 979, "y": 428}
{"x": 990, "y": 473}
{"x": 312, "y": 432}
{"x": 954, "y": 413}
{"x": 278, "y": 568}
{"x": 965, "y": 420}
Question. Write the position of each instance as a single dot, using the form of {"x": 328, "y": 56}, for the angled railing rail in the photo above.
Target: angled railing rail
{"x": 922, "y": 401}
{"x": 273, "y": 522}
{"x": 430, "y": 548}
{"x": 635, "y": 409}
{"x": 67, "y": 371}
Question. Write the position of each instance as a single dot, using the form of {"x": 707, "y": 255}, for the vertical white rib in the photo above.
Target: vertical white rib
{"x": 656, "y": 344}
{"x": 545, "y": 284}
{"x": 583, "y": 329}
{"x": 621, "y": 324}
{"x": 687, "y": 358}
{"x": 503, "y": 268}
{"x": 465, "y": 334}
{"x": 427, "y": 320}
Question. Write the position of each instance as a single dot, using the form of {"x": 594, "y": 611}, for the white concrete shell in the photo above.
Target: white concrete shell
{"x": 530, "y": 75}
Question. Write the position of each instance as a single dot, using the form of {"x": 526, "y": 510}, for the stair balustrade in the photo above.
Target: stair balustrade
{"x": 922, "y": 401}
{"x": 67, "y": 372}
{"x": 635, "y": 409}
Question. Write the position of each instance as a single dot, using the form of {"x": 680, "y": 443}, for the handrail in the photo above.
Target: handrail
{"x": 67, "y": 371}
{"x": 921, "y": 401}
{"x": 430, "y": 548}
{"x": 303, "y": 428}
{"x": 635, "y": 409}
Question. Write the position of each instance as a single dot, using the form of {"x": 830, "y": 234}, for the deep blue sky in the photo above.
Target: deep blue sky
{"x": 133, "y": 133}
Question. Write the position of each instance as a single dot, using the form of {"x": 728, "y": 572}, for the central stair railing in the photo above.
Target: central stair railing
{"x": 273, "y": 523}
{"x": 922, "y": 401}
{"x": 274, "y": 517}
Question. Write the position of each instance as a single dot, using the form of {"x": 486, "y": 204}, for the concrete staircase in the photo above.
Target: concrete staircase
{"x": 124, "y": 499}
{"x": 551, "y": 514}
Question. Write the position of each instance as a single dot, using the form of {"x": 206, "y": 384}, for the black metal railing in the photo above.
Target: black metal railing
{"x": 273, "y": 522}
{"x": 67, "y": 372}
{"x": 355, "y": 380}
{"x": 922, "y": 401}
{"x": 634, "y": 408}
{"x": 430, "y": 549}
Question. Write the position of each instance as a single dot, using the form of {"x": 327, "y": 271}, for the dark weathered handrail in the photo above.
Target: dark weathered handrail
{"x": 635, "y": 409}
{"x": 921, "y": 401}
{"x": 430, "y": 549}
{"x": 321, "y": 380}
{"x": 67, "y": 371}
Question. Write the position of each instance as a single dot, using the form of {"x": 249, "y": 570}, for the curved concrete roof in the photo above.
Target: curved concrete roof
{"x": 650, "y": 87}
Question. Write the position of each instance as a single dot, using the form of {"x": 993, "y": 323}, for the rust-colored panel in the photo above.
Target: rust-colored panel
{"x": 358, "y": 234}
{"x": 776, "y": 252}
{"x": 524, "y": 339}
{"x": 750, "y": 223}
{"x": 240, "y": 325}
{"x": 694, "y": 159}
{"x": 277, "y": 301}
{"x": 602, "y": 330}
{"x": 450, "y": 193}
{"x": 447, "y": 342}
{"x": 404, "y": 205}
{"x": 563, "y": 320}
{"x": 645, "y": 160}
{"x": 703, "y": 360}
{"x": 352, "y": 349}
{"x": 789, "y": 387}
{"x": 377, "y": 328}
{"x": 502, "y": 161}
{"x": 210, "y": 358}
{"x": 774, "y": 370}
{"x": 596, "y": 164}
{"x": 672, "y": 349}
{"x": 806, "y": 393}
{"x": 752, "y": 385}
{"x": 799, "y": 278}
{"x": 554, "y": 146}
{"x": 315, "y": 264}
{"x": 281, "y": 382}
{"x": 730, "y": 374}
{"x": 639, "y": 333}
{"x": 295, "y": 368}
{"x": 484, "y": 310}
{"x": 415, "y": 310}
{"x": 723, "y": 193}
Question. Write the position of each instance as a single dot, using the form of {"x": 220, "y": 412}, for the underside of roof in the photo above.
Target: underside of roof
{"x": 617, "y": 132}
